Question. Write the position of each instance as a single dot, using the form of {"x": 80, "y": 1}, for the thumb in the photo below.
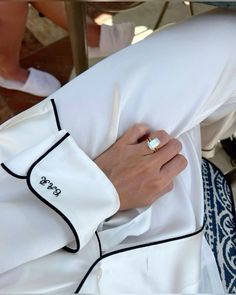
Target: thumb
{"x": 134, "y": 134}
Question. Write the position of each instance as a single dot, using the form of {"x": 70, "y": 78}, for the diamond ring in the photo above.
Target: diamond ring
{"x": 153, "y": 144}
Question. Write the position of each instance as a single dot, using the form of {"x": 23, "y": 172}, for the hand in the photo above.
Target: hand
{"x": 139, "y": 175}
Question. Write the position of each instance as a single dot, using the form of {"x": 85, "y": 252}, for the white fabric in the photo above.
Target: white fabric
{"x": 212, "y": 133}
{"x": 173, "y": 81}
{"x": 16, "y": 134}
{"x": 137, "y": 271}
{"x": 112, "y": 39}
{"x": 210, "y": 277}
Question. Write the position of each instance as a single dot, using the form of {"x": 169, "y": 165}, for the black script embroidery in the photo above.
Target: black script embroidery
{"x": 44, "y": 180}
{"x": 51, "y": 186}
{"x": 57, "y": 191}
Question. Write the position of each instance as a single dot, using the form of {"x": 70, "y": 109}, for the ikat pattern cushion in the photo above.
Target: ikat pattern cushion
{"x": 220, "y": 223}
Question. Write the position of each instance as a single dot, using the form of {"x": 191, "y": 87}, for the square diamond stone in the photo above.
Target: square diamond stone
{"x": 154, "y": 143}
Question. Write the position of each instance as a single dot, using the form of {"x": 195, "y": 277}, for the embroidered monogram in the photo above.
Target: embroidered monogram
{"x": 44, "y": 181}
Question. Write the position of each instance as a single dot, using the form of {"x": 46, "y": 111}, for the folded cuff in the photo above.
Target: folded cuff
{"x": 63, "y": 177}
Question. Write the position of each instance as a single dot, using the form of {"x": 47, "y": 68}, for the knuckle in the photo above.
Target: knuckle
{"x": 177, "y": 145}
{"x": 163, "y": 135}
{"x": 139, "y": 127}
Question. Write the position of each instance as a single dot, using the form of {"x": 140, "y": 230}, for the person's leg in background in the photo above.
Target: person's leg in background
{"x": 12, "y": 27}
{"x": 13, "y": 17}
{"x": 102, "y": 40}
{"x": 56, "y": 12}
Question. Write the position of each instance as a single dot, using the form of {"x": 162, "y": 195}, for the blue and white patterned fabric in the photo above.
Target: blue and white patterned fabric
{"x": 220, "y": 223}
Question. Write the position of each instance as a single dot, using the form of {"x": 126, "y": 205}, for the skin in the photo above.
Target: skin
{"x": 13, "y": 16}
{"x": 139, "y": 175}
{"x": 56, "y": 12}
{"x": 11, "y": 42}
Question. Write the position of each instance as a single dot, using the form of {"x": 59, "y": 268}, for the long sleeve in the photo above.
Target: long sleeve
{"x": 52, "y": 194}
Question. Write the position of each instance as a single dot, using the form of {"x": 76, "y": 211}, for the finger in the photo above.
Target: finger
{"x": 161, "y": 135}
{"x": 134, "y": 133}
{"x": 172, "y": 168}
{"x": 166, "y": 152}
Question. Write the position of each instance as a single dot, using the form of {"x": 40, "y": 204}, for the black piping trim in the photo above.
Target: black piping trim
{"x": 11, "y": 172}
{"x": 133, "y": 248}
{"x": 99, "y": 244}
{"x": 56, "y": 114}
{"x": 229, "y": 185}
{"x": 49, "y": 204}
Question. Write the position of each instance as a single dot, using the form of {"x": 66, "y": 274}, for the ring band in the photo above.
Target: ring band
{"x": 153, "y": 144}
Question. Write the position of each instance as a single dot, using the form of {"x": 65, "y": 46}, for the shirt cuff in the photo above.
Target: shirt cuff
{"x": 63, "y": 177}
